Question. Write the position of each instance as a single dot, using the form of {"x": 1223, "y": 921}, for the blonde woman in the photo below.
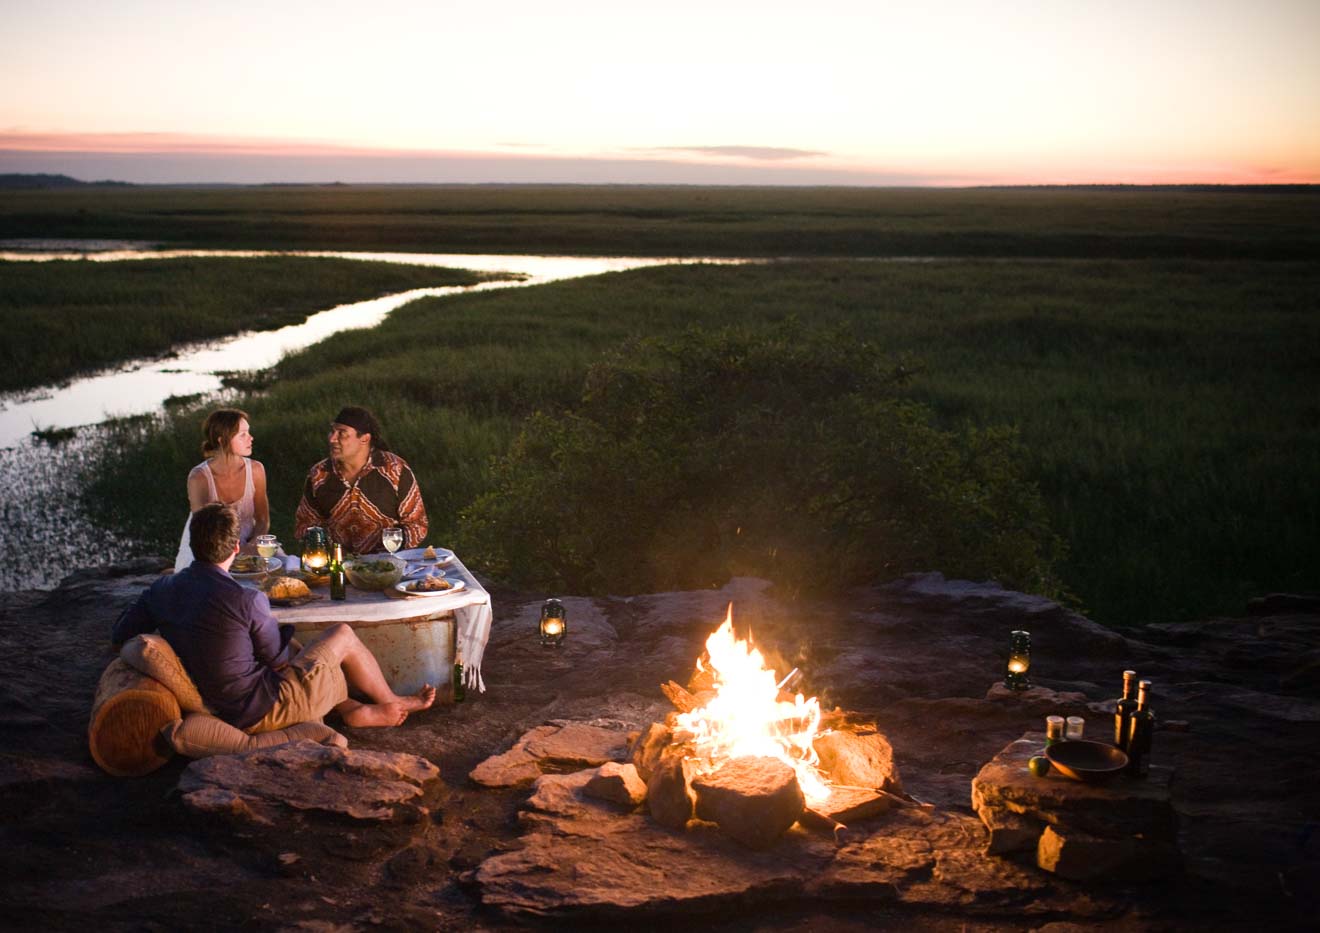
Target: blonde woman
{"x": 228, "y": 475}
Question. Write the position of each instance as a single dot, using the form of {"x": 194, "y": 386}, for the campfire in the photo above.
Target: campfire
{"x": 742, "y": 751}
{"x": 747, "y": 716}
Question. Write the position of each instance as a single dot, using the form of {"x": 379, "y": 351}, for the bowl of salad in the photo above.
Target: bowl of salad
{"x": 374, "y": 572}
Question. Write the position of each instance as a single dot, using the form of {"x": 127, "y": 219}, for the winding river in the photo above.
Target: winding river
{"x": 43, "y": 529}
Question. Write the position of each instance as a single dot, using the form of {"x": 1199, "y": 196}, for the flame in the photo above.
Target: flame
{"x": 746, "y": 716}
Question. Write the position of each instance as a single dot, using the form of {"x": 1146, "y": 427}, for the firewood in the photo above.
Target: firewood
{"x": 683, "y": 701}
{"x": 814, "y": 819}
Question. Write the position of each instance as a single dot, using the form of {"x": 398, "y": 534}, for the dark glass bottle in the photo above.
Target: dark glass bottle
{"x": 1124, "y": 707}
{"x": 337, "y": 590}
{"x": 460, "y": 691}
{"x": 1141, "y": 733}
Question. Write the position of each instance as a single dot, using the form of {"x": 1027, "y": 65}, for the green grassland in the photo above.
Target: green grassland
{"x": 1170, "y": 409}
{"x": 66, "y": 317}
{"x": 660, "y": 220}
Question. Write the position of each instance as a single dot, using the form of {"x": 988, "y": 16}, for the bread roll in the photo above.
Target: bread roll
{"x": 287, "y": 588}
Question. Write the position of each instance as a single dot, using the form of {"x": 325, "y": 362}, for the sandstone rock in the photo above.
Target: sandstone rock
{"x": 577, "y": 744}
{"x": 616, "y": 783}
{"x": 1121, "y": 808}
{"x": 266, "y": 785}
{"x": 668, "y": 793}
{"x": 754, "y": 799}
{"x": 556, "y": 746}
{"x": 1010, "y": 832}
{"x": 1123, "y": 829}
{"x": 860, "y": 757}
{"x": 648, "y": 748}
{"x": 1082, "y": 857}
{"x": 849, "y": 805}
{"x": 513, "y": 768}
{"x": 1040, "y": 700}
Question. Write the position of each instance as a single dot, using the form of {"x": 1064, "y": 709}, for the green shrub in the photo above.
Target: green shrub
{"x": 780, "y": 453}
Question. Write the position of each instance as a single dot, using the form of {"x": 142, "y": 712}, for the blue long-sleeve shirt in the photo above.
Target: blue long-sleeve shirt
{"x": 223, "y": 633}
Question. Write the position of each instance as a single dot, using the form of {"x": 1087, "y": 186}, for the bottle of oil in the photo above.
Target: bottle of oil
{"x": 1124, "y": 707}
{"x": 337, "y": 581}
{"x": 1141, "y": 732}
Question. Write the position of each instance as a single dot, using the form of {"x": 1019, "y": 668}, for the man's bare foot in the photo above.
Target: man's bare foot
{"x": 422, "y": 699}
{"x": 378, "y": 715}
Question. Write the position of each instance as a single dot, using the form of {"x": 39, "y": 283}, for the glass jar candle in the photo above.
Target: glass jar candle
{"x": 1054, "y": 729}
{"x": 1076, "y": 725}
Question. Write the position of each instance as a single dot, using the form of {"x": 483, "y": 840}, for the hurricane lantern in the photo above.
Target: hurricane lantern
{"x": 554, "y": 623}
{"x": 316, "y": 551}
{"x": 1019, "y": 661}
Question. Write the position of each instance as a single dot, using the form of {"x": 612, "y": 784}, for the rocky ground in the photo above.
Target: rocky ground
{"x": 397, "y": 835}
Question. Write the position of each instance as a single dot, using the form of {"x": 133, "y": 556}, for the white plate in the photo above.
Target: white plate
{"x": 414, "y": 556}
{"x": 272, "y": 564}
{"x": 454, "y": 587}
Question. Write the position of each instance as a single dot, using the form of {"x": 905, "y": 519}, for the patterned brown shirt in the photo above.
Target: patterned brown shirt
{"x": 384, "y": 494}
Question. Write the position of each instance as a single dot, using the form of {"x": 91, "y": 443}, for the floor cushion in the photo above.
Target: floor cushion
{"x": 198, "y": 735}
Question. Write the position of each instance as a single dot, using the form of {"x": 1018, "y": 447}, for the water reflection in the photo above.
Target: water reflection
{"x": 142, "y": 386}
{"x": 45, "y": 533}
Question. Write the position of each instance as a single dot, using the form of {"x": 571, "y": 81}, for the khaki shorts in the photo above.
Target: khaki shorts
{"x": 313, "y": 685}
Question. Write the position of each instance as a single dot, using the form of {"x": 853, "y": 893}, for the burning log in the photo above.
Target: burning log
{"x": 683, "y": 701}
{"x": 754, "y": 799}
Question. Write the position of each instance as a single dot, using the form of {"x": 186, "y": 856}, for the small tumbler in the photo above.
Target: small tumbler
{"x": 1076, "y": 724}
{"x": 1053, "y": 729}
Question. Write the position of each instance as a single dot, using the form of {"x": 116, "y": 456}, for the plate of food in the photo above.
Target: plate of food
{"x": 253, "y": 566}
{"x": 426, "y": 557}
{"x": 288, "y": 591}
{"x": 436, "y": 585}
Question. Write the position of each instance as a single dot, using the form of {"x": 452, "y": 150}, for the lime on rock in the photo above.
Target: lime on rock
{"x": 1039, "y": 765}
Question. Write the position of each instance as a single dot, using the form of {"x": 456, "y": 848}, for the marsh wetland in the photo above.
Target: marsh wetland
{"x": 1155, "y": 350}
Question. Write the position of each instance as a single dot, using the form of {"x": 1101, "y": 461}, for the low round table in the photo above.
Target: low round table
{"x": 413, "y": 637}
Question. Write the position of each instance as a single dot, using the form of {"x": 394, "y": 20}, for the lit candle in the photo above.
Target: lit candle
{"x": 553, "y": 626}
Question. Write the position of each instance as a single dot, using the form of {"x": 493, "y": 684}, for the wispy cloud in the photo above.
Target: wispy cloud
{"x": 756, "y": 153}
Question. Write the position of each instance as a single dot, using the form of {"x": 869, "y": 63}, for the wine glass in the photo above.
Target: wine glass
{"x": 267, "y": 545}
{"x": 392, "y": 538}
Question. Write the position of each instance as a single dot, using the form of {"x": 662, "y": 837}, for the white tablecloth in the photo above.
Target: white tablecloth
{"x": 470, "y": 605}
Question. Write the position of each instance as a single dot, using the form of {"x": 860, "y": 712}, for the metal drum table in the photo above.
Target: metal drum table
{"x": 413, "y": 637}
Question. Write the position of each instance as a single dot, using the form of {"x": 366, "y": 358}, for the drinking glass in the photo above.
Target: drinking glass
{"x": 267, "y": 545}
{"x": 392, "y": 538}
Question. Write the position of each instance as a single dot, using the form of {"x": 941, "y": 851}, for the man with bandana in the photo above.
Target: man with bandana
{"x": 361, "y": 488}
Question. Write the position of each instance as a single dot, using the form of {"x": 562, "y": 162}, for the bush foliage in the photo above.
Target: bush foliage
{"x": 779, "y": 453}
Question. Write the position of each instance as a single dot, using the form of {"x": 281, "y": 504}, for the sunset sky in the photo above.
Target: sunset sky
{"x": 717, "y": 91}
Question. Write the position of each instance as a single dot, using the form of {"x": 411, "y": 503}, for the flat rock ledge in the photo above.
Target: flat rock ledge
{"x": 556, "y": 747}
{"x": 267, "y": 786}
{"x": 582, "y": 858}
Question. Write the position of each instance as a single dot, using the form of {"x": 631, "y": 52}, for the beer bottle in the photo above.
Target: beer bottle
{"x": 1124, "y": 707}
{"x": 1141, "y": 732}
{"x": 337, "y": 573}
{"x": 460, "y": 690}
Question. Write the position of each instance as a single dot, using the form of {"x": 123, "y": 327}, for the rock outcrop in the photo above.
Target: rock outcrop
{"x": 507, "y": 831}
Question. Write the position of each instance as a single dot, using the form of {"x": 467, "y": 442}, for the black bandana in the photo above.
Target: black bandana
{"x": 359, "y": 419}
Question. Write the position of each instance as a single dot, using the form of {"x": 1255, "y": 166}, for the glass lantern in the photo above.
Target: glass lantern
{"x": 1019, "y": 661}
{"x": 554, "y": 623}
{"x": 316, "y": 551}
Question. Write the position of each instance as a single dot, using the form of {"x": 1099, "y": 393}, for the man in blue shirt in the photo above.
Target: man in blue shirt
{"x": 232, "y": 646}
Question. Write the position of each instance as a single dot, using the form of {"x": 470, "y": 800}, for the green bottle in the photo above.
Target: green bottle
{"x": 337, "y": 590}
{"x": 460, "y": 691}
{"x": 1141, "y": 733}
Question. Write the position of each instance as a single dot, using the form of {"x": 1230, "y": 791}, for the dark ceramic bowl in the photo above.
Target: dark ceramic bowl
{"x": 1087, "y": 761}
